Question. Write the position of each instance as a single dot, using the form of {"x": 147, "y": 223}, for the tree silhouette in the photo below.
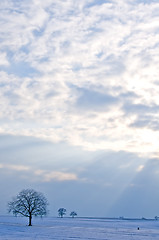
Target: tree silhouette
{"x": 73, "y": 214}
{"x": 61, "y": 212}
{"x": 28, "y": 203}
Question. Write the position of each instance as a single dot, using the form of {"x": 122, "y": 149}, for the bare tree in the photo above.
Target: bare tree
{"x": 61, "y": 212}
{"x": 28, "y": 203}
{"x": 73, "y": 214}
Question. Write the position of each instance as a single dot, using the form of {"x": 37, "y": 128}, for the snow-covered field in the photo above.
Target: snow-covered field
{"x": 78, "y": 228}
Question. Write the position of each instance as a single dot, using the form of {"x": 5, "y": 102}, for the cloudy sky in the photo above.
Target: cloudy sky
{"x": 79, "y": 104}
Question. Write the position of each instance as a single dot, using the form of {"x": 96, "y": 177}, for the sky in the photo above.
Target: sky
{"x": 79, "y": 104}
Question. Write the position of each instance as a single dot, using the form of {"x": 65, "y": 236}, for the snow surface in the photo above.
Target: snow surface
{"x": 78, "y": 228}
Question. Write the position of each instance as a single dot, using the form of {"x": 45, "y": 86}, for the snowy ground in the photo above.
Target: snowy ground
{"x": 78, "y": 228}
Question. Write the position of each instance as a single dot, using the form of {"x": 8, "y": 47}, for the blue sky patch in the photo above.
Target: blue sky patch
{"x": 93, "y": 100}
{"x": 21, "y": 69}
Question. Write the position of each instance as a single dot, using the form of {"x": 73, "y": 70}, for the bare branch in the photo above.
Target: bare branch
{"x": 28, "y": 203}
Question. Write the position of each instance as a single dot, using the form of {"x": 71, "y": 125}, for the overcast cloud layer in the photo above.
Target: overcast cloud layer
{"x": 84, "y": 76}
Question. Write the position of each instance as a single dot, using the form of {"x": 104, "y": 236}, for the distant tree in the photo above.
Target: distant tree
{"x": 28, "y": 203}
{"x": 73, "y": 214}
{"x": 61, "y": 212}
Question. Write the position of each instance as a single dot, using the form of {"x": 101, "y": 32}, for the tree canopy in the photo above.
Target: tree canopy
{"x": 61, "y": 212}
{"x": 28, "y": 203}
{"x": 73, "y": 214}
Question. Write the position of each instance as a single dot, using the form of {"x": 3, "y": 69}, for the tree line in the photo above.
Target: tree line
{"x": 29, "y": 203}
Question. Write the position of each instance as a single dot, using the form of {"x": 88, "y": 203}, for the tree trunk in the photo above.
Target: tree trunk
{"x": 30, "y": 217}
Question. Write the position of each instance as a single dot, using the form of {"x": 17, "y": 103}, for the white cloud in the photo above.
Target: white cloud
{"x": 55, "y": 176}
{"x": 42, "y": 175}
{"x": 107, "y": 48}
{"x": 14, "y": 167}
{"x": 3, "y": 59}
{"x": 140, "y": 168}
